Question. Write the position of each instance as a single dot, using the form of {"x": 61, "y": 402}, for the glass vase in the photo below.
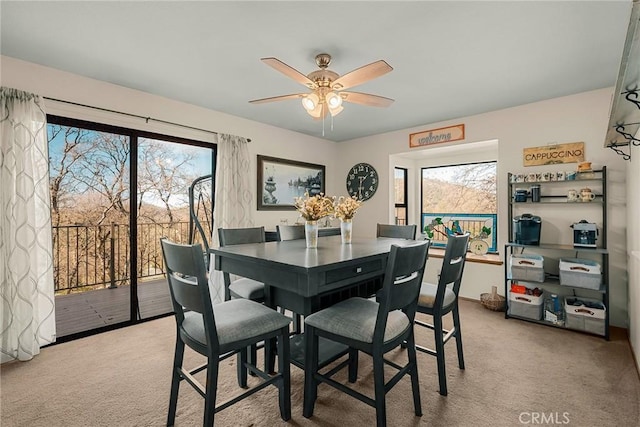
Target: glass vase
{"x": 311, "y": 234}
{"x": 345, "y": 230}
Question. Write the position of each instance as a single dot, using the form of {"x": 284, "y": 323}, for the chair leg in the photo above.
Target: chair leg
{"x": 242, "y": 368}
{"x": 270, "y": 350}
{"x": 310, "y": 369}
{"x": 438, "y": 335}
{"x": 456, "y": 325}
{"x": 415, "y": 383}
{"x": 353, "y": 365}
{"x": 210, "y": 391}
{"x": 284, "y": 367}
{"x": 175, "y": 381}
{"x": 378, "y": 381}
{"x": 252, "y": 357}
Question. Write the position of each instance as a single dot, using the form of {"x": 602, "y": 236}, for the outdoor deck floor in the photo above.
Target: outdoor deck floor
{"x": 95, "y": 309}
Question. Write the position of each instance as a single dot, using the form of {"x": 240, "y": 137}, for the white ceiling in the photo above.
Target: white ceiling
{"x": 451, "y": 59}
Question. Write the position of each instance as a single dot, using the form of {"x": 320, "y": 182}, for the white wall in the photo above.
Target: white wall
{"x": 581, "y": 117}
{"x": 633, "y": 237}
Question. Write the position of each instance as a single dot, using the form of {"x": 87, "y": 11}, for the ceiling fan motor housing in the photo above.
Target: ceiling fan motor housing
{"x": 323, "y": 78}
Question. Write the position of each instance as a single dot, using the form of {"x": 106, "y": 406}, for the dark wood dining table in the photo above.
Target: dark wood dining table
{"x": 303, "y": 280}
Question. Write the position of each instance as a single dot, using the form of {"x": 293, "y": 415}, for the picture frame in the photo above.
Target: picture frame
{"x": 279, "y": 181}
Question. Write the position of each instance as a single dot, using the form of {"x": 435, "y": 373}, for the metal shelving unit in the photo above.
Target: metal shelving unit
{"x": 552, "y": 283}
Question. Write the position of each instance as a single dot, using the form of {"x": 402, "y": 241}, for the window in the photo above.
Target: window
{"x": 460, "y": 198}
{"x": 400, "y": 190}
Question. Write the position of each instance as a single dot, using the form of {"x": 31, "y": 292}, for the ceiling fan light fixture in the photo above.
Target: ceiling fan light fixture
{"x": 335, "y": 111}
{"x": 316, "y": 112}
{"x": 333, "y": 100}
{"x": 310, "y": 102}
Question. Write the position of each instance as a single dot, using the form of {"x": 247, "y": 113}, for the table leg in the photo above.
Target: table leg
{"x": 270, "y": 345}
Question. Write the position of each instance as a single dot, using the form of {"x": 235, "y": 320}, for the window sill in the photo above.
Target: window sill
{"x": 494, "y": 259}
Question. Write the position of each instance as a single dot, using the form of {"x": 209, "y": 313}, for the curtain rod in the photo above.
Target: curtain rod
{"x": 147, "y": 119}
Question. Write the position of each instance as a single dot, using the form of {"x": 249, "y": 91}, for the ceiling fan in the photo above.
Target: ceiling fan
{"x": 327, "y": 87}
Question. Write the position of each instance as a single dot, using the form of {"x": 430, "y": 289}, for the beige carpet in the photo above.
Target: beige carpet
{"x": 517, "y": 373}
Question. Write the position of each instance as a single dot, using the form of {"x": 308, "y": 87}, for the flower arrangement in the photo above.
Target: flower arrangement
{"x": 313, "y": 208}
{"x": 345, "y": 208}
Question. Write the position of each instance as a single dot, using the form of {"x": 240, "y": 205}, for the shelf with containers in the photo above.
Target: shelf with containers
{"x": 542, "y": 253}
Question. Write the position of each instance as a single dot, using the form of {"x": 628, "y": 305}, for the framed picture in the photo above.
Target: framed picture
{"x": 281, "y": 180}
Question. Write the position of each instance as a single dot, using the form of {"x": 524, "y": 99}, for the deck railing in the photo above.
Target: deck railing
{"x": 98, "y": 256}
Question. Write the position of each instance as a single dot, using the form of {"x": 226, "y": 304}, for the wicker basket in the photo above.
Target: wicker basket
{"x": 493, "y": 301}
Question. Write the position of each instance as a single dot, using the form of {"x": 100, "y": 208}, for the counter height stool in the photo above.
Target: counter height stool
{"x": 218, "y": 332}
{"x": 374, "y": 328}
{"x": 397, "y": 231}
{"x": 242, "y": 287}
{"x": 290, "y": 232}
{"x": 441, "y": 299}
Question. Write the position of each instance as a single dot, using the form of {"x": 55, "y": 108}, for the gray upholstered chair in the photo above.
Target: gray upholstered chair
{"x": 242, "y": 287}
{"x": 441, "y": 299}
{"x": 397, "y": 231}
{"x": 218, "y": 332}
{"x": 290, "y": 232}
{"x": 374, "y": 328}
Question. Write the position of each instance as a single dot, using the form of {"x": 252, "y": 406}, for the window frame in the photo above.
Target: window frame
{"x": 405, "y": 189}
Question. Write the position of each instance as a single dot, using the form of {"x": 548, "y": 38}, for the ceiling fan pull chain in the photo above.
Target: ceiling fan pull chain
{"x": 323, "y": 116}
{"x": 323, "y": 123}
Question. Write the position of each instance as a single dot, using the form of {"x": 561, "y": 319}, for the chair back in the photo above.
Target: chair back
{"x": 237, "y": 236}
{"x": 401, "y": 284}
{"x": 397, "y": 231}
{"x": 455, "y": 256}
{"x": 188, "y": 284}
{"x": 290, "y": 232}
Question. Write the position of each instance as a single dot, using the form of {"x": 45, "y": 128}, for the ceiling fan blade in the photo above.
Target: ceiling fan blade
{"x": 361, "y": 75}
{"x": 277, "y": 98}
{"x": 366, "y": 99}
{"x": 289, "y": 72}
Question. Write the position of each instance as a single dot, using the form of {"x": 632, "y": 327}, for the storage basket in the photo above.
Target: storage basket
{"x": 528, "y": 306}
{"x": 492, "y": 300}
{"x": 580, "y": 273}
{"x": 588, "y": 316}
{"x": 529, "y": 267}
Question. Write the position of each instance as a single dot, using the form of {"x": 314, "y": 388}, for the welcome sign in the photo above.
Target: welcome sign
{"x": 572, "y": 152}
{"x": 436, "y": 136}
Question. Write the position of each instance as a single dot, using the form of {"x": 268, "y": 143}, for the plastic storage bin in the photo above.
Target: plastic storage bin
{"x": 589, "y": 316}
{"x": 527, "y": 267}
{"x": 580, "y": 273}
{"x": 528, "y": 306}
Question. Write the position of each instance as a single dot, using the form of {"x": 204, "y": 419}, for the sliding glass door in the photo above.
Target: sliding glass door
{"x": 114, "y": 193}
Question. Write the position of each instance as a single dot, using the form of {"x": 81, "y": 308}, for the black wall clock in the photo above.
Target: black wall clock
{"x": 362, "y": 181}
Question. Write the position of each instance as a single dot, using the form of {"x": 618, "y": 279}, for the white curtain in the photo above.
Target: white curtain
{"x": 26, "y": 269}
{"x": 233, "y": 197}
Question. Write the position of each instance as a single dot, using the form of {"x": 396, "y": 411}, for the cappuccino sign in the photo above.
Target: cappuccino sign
{"x": 572, "y": 152}
{"x": 436, "y": 136}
